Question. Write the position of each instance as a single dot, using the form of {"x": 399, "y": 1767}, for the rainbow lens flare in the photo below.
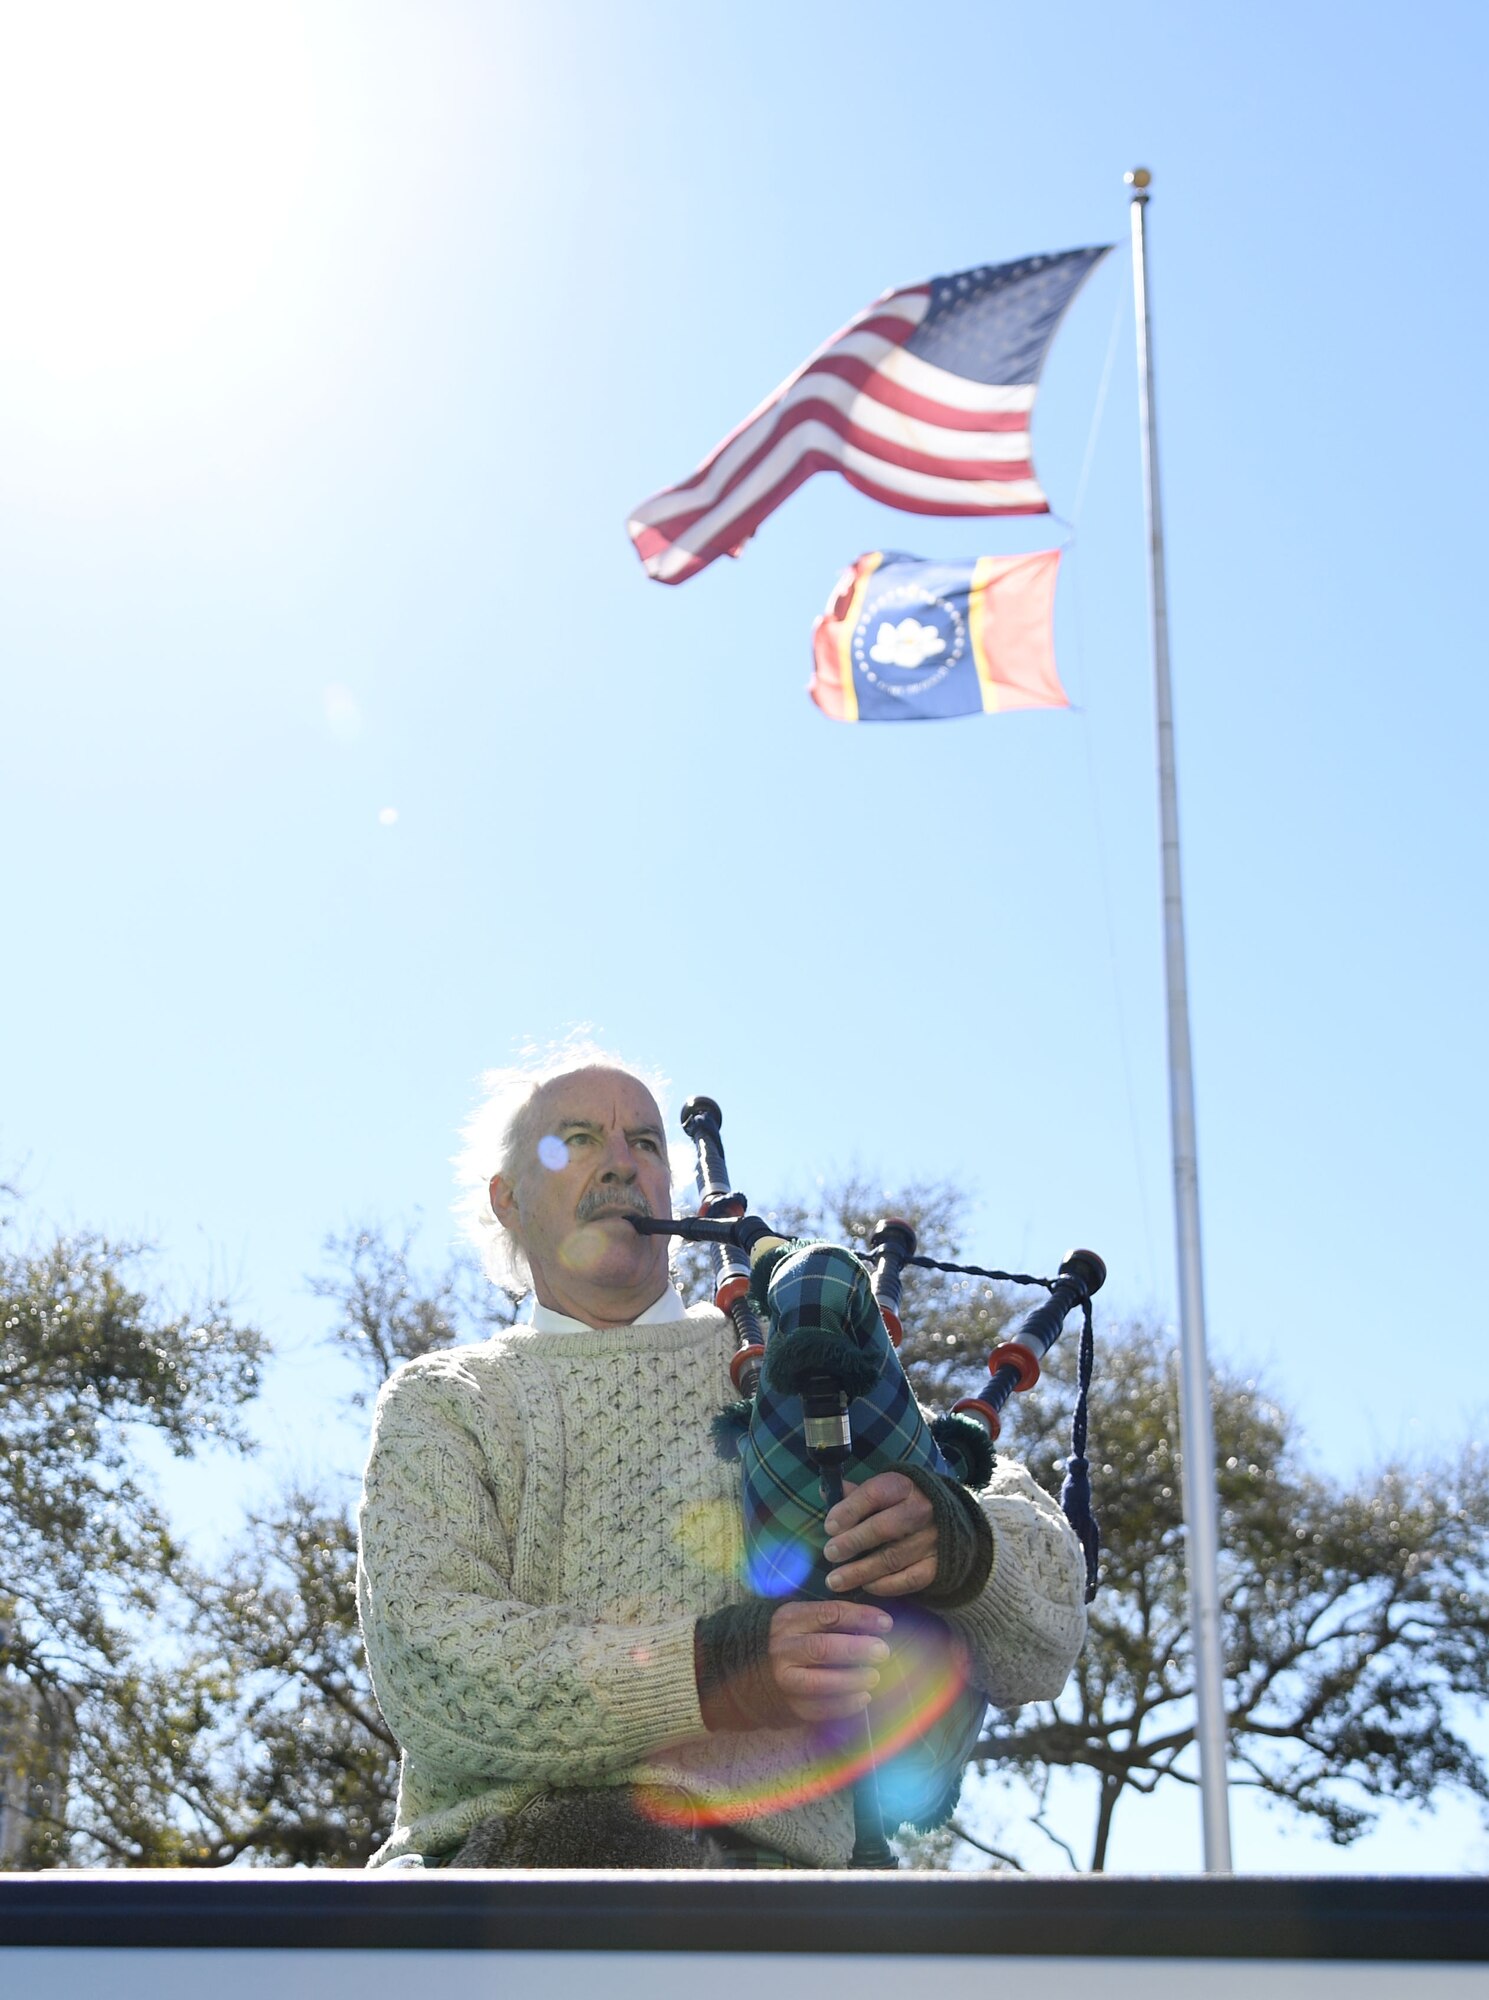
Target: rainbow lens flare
{"x": 917, "y": 1725}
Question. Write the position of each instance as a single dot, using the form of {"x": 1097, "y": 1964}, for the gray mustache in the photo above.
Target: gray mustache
{"x": 599, "y": 1201}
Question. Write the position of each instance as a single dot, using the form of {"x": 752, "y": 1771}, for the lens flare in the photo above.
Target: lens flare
{"x": 553, "y": 1153}
{"x": 708, "y": 1534}
{"x": 922, "y": 1702}
{"x": 778, "y": 1566}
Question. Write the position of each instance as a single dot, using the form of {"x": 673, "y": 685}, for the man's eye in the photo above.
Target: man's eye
{"x": 647, "y": 1144}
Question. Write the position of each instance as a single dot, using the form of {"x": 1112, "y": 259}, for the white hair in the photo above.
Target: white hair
{"x": 496, "y": 1132}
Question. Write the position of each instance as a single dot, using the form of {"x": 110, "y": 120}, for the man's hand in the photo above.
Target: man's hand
{"x": 883, "y": 1536}
{"x": 824, "y": 1657}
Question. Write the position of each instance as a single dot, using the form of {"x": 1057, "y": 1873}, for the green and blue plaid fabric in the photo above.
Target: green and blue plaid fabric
{"x": 820, "y": 1287}
{"x": 815, "y": 1290}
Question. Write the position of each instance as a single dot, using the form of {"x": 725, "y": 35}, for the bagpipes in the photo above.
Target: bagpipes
{"x": 820, "y": 1386}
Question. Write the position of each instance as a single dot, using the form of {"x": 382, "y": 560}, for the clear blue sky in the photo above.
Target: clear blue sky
{"x": 337, "y": 343}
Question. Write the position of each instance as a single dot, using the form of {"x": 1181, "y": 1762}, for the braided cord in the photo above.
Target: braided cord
{"x": 1083, "y": 1384}
{"x": 1075, "y": 1494}
{"x": 975, "y": 1271}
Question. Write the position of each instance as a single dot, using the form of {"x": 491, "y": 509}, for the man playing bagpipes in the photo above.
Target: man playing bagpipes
{"x": 567, "y": 1630}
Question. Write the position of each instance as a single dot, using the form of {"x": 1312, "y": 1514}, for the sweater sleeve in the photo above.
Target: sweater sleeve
{"x": 471, "y": 1678}
{"x": 1027, "y": 1625}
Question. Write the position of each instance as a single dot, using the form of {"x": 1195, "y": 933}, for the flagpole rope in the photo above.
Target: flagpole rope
{"x": 1094, "y": 791}
{"x": 1140, "y": 1175}
{"x": 1097, "y": 413}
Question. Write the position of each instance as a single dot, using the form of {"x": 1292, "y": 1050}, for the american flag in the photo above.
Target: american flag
{"x": 923, "y": 401}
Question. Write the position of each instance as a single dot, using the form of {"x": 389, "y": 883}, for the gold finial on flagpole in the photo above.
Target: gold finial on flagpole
{"x": 1138, "y": 177}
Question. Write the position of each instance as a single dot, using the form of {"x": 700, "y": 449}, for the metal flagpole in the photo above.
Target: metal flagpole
{"x": 1196, "y": 1433}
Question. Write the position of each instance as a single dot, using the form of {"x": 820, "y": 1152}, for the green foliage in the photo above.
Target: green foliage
{"x": 303, "y": 1769}
{"x": 152, "y": 1715}
{"x": 1356, "y": 1613}
{"x": 388, "y": 1313}
{"x": 89, "y": 1362}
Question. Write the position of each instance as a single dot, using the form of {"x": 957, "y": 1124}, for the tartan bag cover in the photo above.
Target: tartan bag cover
{"x": 812, "y": 1291}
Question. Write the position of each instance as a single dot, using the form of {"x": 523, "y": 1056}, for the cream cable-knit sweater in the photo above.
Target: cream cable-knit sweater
{"x": 544, "y": 1518}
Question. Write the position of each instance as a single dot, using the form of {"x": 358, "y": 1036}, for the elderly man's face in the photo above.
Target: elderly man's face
{"x": 594, "y": 1150}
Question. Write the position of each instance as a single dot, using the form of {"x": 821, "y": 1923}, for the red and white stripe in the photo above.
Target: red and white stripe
{"x": 900, "y": 430}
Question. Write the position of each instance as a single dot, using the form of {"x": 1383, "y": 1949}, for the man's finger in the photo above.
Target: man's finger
{"x": 826, "y": 1683}
{"x": 883, "y": 1570}
{"x": 834, "y": 1649}
{"x": 905, "y": 1582}
{"x": 891, "y": 1524}
{"x": 884, "y": 1489}
{"x": 825, "y": 1615}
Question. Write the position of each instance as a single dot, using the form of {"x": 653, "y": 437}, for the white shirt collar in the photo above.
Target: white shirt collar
{"x": 668, "y": 1307}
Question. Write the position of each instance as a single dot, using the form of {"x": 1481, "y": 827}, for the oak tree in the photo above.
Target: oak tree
{"x": 92, "y": 1360}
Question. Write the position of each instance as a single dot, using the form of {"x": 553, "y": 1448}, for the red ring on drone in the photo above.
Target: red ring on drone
{"x": 985, "y": 1414}
{"x": 1023, "y": 1359}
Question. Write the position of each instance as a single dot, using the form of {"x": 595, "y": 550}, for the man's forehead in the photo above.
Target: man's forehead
{"x": 594, "y": 1097}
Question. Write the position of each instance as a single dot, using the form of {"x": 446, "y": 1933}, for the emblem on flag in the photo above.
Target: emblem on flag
{"x": 909, "y": 641}
{"x": 923, "y": 401}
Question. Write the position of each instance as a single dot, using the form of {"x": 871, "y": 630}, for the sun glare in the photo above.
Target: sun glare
{"x": 151, "y": 158}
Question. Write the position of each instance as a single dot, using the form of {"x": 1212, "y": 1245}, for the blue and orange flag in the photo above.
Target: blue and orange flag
{"x": 909, "y": 641}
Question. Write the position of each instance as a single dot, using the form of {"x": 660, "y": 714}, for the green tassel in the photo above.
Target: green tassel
{"x": 728, "y": 1428}
{"x": 966, "y": 1447}
{"x": 791, "y": 1357}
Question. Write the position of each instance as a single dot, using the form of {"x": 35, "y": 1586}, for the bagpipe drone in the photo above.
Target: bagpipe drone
{"x": 821, "y": 1387}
